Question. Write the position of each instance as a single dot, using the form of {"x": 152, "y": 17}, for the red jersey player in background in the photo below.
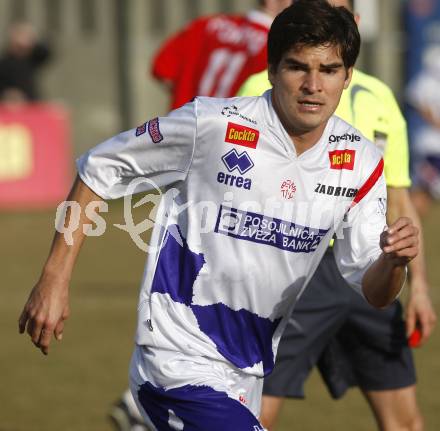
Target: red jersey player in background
{"x": 213, "y": 55}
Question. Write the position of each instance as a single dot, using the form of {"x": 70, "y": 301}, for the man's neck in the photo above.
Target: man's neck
{"x": 303, "y": 141}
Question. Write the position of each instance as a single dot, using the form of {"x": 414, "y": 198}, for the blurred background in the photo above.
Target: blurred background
{"x": 92, "y": 80}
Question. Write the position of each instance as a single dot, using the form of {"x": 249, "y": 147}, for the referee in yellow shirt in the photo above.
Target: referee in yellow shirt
{"x": 332, "y": 327}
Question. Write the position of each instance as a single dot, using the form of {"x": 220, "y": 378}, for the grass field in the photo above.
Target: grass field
{"x": 72, "y": 389}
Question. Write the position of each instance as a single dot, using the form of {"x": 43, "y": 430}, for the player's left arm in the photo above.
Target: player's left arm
{"x": 371, "y": 256}
{"x": 419, "y": 310}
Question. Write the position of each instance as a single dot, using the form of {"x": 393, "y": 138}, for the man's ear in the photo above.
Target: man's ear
{"x": 348, "y": 76}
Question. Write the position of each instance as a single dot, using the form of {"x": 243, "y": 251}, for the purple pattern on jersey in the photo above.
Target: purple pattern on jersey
{"x": 242, "y": 337}
{"x": 177, "y": 269}
{"x": 195, "y": 408}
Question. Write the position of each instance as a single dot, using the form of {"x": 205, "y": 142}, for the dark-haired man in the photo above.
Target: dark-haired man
{"x": 352, "y": 343}
{"x": 228, "y": 269}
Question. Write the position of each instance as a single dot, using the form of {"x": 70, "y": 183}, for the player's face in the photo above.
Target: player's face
{"x": 307, "y": 86}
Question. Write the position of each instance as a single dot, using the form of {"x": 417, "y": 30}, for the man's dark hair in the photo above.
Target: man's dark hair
{"x": 313, "y": 23}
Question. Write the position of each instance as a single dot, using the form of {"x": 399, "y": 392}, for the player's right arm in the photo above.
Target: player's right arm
{"x": 160, "y": 152}
{"x": 47, "y": 307}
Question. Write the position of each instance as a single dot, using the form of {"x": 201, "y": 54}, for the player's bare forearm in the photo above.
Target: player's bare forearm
{"x": 48, "y": 306}
{"x": 384, "y": 279}
{"x": 62, "y": 255}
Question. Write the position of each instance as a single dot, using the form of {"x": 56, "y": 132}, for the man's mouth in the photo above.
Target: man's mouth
{"x": 310, "y": 103}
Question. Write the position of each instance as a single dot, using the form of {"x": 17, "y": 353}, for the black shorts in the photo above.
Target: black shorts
{"x": 352, "y": 343}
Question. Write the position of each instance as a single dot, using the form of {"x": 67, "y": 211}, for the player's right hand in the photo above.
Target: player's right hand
{"x": 45, "y": 312}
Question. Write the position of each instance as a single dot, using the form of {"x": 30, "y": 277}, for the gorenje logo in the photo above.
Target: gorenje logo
{"x": 335, "y": 191}
{"x": 342, "y": 159}
{"x": 242, "y": 135}
{"x": 349, "y": 137}
{"x": 240, "y": 162}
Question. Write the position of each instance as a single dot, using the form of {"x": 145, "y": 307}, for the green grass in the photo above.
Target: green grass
{"x": 72, "y": 389}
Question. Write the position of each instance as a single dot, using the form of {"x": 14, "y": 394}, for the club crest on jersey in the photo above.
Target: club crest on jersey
{"x": 342, "y": 159}
{"x": 288, "y": 189}
{"x": 235, "y": 161}
{"x": 242, "y": 135}
{"x": 154, "y": 130}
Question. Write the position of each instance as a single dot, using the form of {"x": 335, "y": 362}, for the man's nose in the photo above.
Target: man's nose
{"x": 312, "y": 82}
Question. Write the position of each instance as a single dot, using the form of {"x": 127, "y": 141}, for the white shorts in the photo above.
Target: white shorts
{"x": 176, "y": 392}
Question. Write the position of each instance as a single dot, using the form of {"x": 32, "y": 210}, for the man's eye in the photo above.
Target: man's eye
{"x": 329, "y": 71}
{"x": 296, "y": 67}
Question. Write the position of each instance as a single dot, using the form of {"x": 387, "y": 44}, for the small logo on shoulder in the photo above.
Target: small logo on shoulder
{"x": 229, "y": 111}
{"x": 342, "y": 159}
{"x": 141, "y": 129}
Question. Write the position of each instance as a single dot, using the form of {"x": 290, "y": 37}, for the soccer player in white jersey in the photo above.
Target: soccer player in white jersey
{"x": 244, "y": 229}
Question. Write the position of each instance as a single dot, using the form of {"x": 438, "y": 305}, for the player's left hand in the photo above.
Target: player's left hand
{"x": 420, "y": 313}
{"x": 400, "y": 242}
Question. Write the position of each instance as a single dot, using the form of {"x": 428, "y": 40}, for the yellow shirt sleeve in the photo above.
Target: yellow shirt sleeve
{"x": 370, "y": 106}
{"x": 255, "y": 85}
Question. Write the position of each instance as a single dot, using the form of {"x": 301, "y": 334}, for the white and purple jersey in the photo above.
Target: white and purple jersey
{"x": 244, "y": 222}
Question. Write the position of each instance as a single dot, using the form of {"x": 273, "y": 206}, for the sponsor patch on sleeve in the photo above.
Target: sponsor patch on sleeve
{"x": 242, "y": 135}
{"x": 154, "y": 130}
{"x": 141, "y": 129}
{"x": 342, "y": 159}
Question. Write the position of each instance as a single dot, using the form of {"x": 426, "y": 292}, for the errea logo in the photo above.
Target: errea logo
{"x": 240, "y": 162}
{"x": 235, "y": 161}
